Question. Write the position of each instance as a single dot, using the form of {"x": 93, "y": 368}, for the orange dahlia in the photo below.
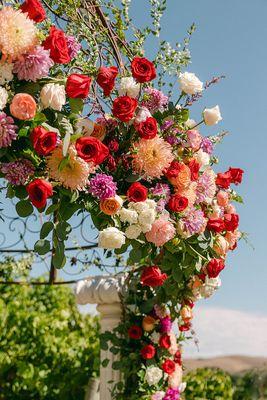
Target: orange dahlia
{"x": 152, "y": 157}
{"x": 72, "y": 173}
{"x": 18, "y": 34}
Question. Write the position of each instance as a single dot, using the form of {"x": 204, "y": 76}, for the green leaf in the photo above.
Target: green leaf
{"x": 42, "y": 247}
{"x": 177, "y": 274}
{"x": 52, "y": 209}
{"x": 21, "y": 192}
{"x": 76, "y": 106}
{"x": 46, "y": 229}
{"x": 10, "y": 192}
{"x": 135, "y": 255}
{"x": 63, "y": 229}
{"x": 133, "y": 178}
{"x": 24, "y": 208}
{"x": 24, "y": 131}
{"x": 105, "y": 362}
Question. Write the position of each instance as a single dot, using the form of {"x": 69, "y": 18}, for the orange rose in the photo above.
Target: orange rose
{"x": 148, "y": 323}
{"x": 221, "y": 245}
{"x": 186, "y": 314}
{"x": 99, "y": 131}
{"x": 23, "y": 106}
{"x": 183, "y": 177}
{"x": 111, "y": 206}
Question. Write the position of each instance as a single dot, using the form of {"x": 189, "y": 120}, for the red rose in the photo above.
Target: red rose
{"x": 177, "y": 203}
{"x": 168, "y": 366}
{"x": 34, "y": 9}
{"x": 173, "y": 170}
{"x": 165, "y": 341}
{"x": 43, "y": 141}
{"x": 39, "y": 190}
{"x": 113, "y": 145}
{"x": 106, "y": 78}
{"x": 185, "y": 327}
{"x": 135, "y": 332}
{"x": 56, "y": 42}
{"x": 90, "y": 149}
{"x": 152, "y": 276}
{"x": 236, "y": 175}
{"x": 224, "y": 179}
{"x": 143, "y": 70}
{"x": 178, "y": 357}
{"x": 216, "y": 225}
{"x": 78, "y": 86}
{"x": 147, "y": 129}
{"x": 124, "y": 108}
{"x": 214, "y": 267}
{"x": 148, "y": 352}
{"x": 231, "y": 222}
{"x": 111, "y": 163}
{"x": 194, "y": 168}
{"x": 137, "y": 192}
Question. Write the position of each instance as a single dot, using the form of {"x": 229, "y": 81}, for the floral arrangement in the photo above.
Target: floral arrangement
{"x": 138, "y": 164}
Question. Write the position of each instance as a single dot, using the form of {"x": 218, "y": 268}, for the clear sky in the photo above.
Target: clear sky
{"x": 231, "y": 40}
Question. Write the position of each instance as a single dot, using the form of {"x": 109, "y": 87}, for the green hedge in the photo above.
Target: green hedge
{"x": 48, "y": 350}
{"x": 251, "y": 386}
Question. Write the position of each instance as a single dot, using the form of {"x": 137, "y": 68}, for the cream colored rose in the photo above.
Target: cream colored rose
{"x": 111, "y": 238}
{"x": 133, "y": 231}
{"x": 153, "y": 375}
{"x": 129, "y": 216}
{"x": 53, "y": 95}
{"x": 147, "y": 217}
{"x": 129, "y": 87}
{"x": 189, "y": 83}
{"x": 212, "y": 116}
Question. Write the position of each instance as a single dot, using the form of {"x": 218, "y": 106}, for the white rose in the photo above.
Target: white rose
{"x": 85, "y": 126}
{"x": 129, "y": 87}
{"x": 133, "y": 231}
{"x": 126, "y": 215}
{"x": 142, "y": 115}
{"x": 146, "y": 228}
{"x": 151, "y": 204}
{"x": 111, "y": 238}
{"x": 53, "y": 95}
{"x": 202, "y": 157}
{"x": 190, "y": 123}
{"x": 189, "y": 83}
{"x": 140, "y": 206}
{"x": 6, "y": 74}
{"x": 3, "y": 97}
{"x": 153, "y": 375}
{"x": 147, "y": 217}
{"x": 212, "y": 116}
{"x": 211, "y": 284}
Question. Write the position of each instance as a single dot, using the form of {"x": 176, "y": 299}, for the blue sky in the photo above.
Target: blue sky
{"x": 230, "y": 40}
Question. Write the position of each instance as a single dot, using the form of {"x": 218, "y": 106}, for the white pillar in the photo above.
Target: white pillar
{"x": 103, "y": 291}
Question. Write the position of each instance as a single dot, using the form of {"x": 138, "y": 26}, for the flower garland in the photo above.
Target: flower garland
{"x": 143, "y": 171}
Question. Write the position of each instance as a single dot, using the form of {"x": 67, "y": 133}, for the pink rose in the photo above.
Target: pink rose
{"x": 175, "y": 379}
{"x": 194, "y": 139}
{"x": 162, "y": 231}
{"x": 221, "y": 245}
{"x": 223, "y": 198}
{"x": 230, "y": 209}
{"x": 174, "y": 346}
{"x": 232, "y": 238}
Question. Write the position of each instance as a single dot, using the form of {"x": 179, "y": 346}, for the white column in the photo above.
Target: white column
{"x": 103, "y": 291}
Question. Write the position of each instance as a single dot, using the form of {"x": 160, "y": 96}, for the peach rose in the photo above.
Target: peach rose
{"x": 175, "y": 379}
{"x": 148, "y": 323}
{"x": 161, "y": 232}
{"x": 232, "y": 238}
{"x": 99, "y": 132}
{"x": 174, "y": 346}
{"x": 183, "y": 179}
{"x": 221, "y": 245}
{"x": 23, "y": 106}
{"x": 230, "y": 209}
{"x": 111, "y": 206}
{"x": 222, "y": 198}
{"x": 186, "y": 314}
{"x": 189, "y": 193}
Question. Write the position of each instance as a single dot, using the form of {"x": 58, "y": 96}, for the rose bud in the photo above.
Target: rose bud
{"x": 78, "y": 86}
{"x": 236, "y": 175}
{"x": 106, "y": 79}
{"x": 224, "y": 180}
{"x": 168, "y": 366}
{"x": 148, "y": 352}
{"x": 124, "y": 108}
{"x": 231, "y": 222}
{"x": 56, "y": 42}
{"x": 165, "y": 341}
{"x": 152, "y": 276}
{"x": 147, "y": 129}
{"x": 186, "y": 314}
{"x": 212, "y": 116}
{"x": 216, "y": 225}
{"x": 214, "y": 267}
{"x": 135, "y": 332}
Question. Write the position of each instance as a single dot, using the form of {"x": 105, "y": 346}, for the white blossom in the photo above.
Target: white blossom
{"x": 189, "y": 83}
{"x": 53, "y": 95}
{"x": 129, "y": 87}
{"x": 153, "y": 375}
{"x": 3, "y": 97}
{"x": 111, "y": 238}
{"x": 6, "y": 74}
{"x": 133, "y": 231}
{"x": 212, "y": 116}
{"x": 127, "y": 215}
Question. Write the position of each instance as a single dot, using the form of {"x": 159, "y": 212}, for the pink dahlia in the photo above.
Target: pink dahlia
{"x": 154, "y": 100}
{"x": 8, "y": 130}
{"x": 152, "y": 157}
{"x": 206, "y": 187}
{"x": 34, "y": 65}
{"x": 102, "y": 186}
{"x": 18, "y": 34}
{"x": 161, "y": 232}
{"x": 73, "y": 46}
{"x": 194, "y": 221}
{"x": 18, "y": 172}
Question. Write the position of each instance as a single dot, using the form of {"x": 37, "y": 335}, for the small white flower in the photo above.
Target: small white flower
{"x": 189, "y": 83}
{"x": 153, "y": 375}
{"x": 147, "y": 217}
{"x": 212, "y": 116}
{"x": 202, "y": 157}
{"x": 142, "y": 115}
{"x": 133, "y": 231}
{"x": 111, "y": 238}
{"x": 6, "y": 74}
{"x": 146, "y": 228}
{"x": 190, "y": 123}
{"x": 85, "y": 126}
{"x": 182, "y": 387}
{"x": 129, "y": 87}
{"x": 53, "y": 95}
{"x": 129, "y": 216}
{"x": 3, "y": 97}
{"x": 155, "y": 337}
{"x": 210, "y": 286}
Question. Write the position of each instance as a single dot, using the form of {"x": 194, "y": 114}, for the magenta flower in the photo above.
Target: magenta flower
{"x": 8, "y": 130}
{"x": 102, "y": 186}
{"x": 165, "y": 324}
{"x": 18, "y": 172}
{"x": 154, "y": 100}
{"x": 172, "y": 394}
{"x": 73, "y": 46}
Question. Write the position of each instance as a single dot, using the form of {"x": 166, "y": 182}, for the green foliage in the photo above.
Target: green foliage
{"x": 207, "y": 384}
{"x": 251, "y": 386}
{"x": 48, "y": 350}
